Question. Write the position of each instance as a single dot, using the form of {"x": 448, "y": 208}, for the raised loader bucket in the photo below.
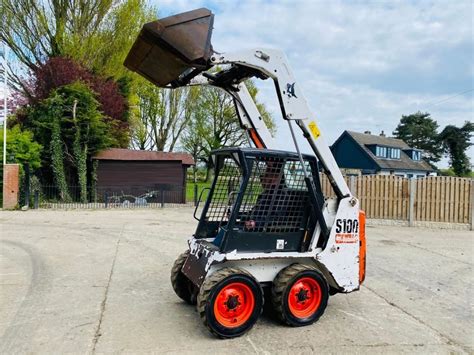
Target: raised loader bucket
{"x": 170, "y": 48}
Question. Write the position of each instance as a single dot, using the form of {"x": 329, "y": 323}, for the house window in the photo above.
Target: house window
{"x": 416, "y": 155}
{"x": 387, "y": 152}
{"x": 394, "y": 153}
{"x": 381, "y": 152}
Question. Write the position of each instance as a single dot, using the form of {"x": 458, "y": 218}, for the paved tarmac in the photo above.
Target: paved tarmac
{"x": 98, "y": 282}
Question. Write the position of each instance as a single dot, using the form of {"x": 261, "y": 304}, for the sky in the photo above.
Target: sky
{"x": 360, "y": 64}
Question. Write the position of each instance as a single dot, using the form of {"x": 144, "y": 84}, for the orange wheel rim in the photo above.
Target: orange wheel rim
{"x": 304, "y": 297}
{"x": 234, "y": 305}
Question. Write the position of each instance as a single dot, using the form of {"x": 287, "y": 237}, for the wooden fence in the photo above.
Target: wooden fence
{"x": 436, "y": 199}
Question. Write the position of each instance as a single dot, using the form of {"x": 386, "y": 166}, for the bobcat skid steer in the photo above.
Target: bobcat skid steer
{"x": 265, "y": 222}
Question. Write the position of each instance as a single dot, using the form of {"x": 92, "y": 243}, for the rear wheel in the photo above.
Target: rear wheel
{"x": 299, "y": 295}
{"x": 182, "y": 286}
{"x": 230, "y": 302}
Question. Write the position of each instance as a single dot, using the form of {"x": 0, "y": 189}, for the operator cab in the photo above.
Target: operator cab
{"x": 259, "y": 201}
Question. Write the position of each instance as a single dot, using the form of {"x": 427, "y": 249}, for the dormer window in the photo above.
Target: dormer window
{"x": 386, "y": 152}
{"x": 416, "y": 155}
{"x": 393, "y": 153}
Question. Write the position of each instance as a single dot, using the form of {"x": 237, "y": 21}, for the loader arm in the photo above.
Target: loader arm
{"x": 177, "y": 51}
{"x": 273, "y": 64}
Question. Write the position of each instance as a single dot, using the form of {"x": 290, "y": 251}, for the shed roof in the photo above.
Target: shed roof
{"x": 129, "y": 154}
{"x": 404, "y": 163}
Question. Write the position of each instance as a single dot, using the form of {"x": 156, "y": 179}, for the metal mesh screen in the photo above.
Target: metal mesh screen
{"x": 225, "y": 192}
{"x": 276, "y": 197}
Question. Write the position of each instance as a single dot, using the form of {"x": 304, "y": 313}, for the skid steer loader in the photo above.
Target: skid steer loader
{"x": 265, "y": 222}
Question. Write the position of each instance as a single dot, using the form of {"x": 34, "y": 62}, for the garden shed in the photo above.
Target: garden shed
{"x": 155, "y": 175}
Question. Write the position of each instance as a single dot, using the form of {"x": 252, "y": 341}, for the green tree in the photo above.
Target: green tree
{"x": 192, "y": 139}
{"x": 104, "y": 52}
{"x": 419, "y": 130}
{"x": 21, "y": 147}
{"x": 456, "y": 141}
{"x": 72, "y": 129}
{"x": 163, "y": 114}
{"x": 215, "y": 124}
{"x": 97, "y": 33}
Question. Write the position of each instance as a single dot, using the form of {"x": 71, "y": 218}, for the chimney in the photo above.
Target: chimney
{"x": 382, "y": 134}
{"x": 367, "y": 132}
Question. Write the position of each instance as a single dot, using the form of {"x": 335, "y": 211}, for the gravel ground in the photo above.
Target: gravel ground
{"x": 98, "y": 282}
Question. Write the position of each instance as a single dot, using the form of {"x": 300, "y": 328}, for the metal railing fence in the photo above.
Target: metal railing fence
{"x": 108, "y": 197}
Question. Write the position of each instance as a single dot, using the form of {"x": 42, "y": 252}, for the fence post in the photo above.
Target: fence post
{"x": 411, "y": 206}
{"x": 195, "y": 195}
{"x": 471, "y": 201}
{"x": 36, "y": 200}
{"x": 352, "y": 184}
{"x": 162, "y": 198}
{"x": 106, "y": 199}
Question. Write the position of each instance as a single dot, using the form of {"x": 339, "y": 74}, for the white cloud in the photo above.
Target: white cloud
{"x": 345, "y": 37}
{"x": 361, "y": 64}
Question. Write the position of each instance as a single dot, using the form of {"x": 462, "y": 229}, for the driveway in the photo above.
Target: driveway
{"x": 98, "y": 282}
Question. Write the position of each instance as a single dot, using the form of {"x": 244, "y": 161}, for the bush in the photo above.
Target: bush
{"x": 21, "y": 147}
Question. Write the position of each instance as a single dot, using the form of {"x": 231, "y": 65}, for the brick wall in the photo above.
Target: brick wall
{"x": 11, "y": 183}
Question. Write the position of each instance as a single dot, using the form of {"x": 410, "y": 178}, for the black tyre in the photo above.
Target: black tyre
{"x": 230, "y": 302}
{"x": 182, "y": 286}
{"x": 299, "y": 295}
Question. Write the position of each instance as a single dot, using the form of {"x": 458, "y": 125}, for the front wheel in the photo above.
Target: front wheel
{"x": 299, "y": 295}
{"x": 230, "y": 302}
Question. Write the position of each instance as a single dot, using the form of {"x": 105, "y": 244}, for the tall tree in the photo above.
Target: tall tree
{"x": 219, "y": 126}
{"x": 419, "y": 130}
{"x": 215, "y": 124}
{"x": 97, "y": 33}
{"x": 456, "y": 141}
{"x": 191, "y": 140}
{"x": 163, "y": 114}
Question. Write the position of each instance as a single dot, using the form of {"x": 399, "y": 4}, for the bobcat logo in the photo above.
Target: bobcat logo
{"x": 290, "y": 89}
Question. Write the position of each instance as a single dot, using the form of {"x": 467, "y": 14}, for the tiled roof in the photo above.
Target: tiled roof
{"x": 404, "y": 163}
{"x": 128, "y": 154}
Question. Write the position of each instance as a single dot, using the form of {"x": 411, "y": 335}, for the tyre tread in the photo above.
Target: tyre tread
{"x": 280, "y": 284}
{"x": 207, "y": 287}
{"x": 178, "y": 288}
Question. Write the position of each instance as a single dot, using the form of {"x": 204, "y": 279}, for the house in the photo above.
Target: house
{"x": 366, "y": 153}
{"x": 137, "y": 172}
